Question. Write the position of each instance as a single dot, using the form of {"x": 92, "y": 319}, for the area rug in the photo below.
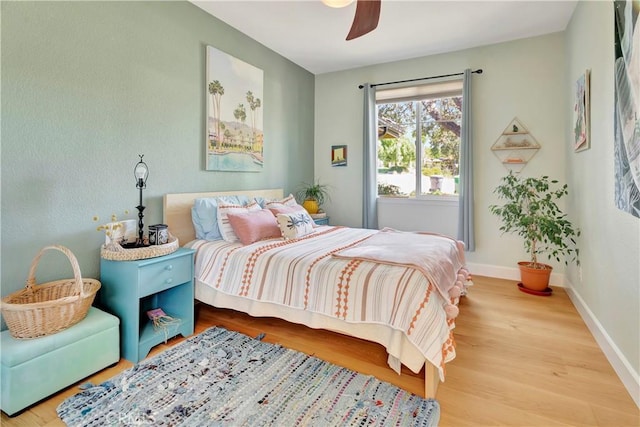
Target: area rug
{"x": 224, "y": 378}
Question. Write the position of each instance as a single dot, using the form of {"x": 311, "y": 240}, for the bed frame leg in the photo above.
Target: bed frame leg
{"x": 431, "y": 380}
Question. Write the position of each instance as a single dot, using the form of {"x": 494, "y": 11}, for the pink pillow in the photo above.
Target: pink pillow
{"x": 226, "y": 231}
{"x": 253, "y": 226}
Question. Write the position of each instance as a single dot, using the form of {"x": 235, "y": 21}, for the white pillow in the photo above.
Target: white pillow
{"x": 287, "y": 201}
{"x": 226, "y": 230}
{"x": 295, "y": 225}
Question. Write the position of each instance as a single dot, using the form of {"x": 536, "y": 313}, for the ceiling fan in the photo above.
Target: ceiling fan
{"x": 366, "y": 17}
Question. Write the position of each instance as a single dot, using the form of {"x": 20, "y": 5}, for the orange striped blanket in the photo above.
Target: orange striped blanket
{"x": 301, "y": 281}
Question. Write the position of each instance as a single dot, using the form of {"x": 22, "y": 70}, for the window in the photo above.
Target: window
{"x": 419, "y": 139}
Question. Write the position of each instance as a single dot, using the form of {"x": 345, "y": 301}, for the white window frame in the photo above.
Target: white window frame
{"x": 441, "y": 89}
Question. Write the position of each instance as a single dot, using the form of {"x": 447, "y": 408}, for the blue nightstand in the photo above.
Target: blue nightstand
{"x": 130, "y": 288}
{"x": 321, "y": 221}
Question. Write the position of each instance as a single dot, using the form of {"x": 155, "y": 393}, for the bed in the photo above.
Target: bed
{"x": 342, "y": 279}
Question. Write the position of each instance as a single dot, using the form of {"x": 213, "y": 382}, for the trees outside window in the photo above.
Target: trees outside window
{"x": 423, "y": 156}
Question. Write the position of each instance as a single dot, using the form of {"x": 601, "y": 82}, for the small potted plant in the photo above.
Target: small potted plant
{"x": 313, "y": 196}
{"x": 388, "y": 190}
{"x": 531, "y": 212}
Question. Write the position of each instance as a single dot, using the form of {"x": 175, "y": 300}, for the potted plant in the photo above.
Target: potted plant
{"x": 389, "y": 190}
{"x": 530, "y": 211}
{"x": 313, "y": 196}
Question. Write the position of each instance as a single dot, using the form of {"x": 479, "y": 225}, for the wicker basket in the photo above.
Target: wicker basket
{"x": 40, "y": 310}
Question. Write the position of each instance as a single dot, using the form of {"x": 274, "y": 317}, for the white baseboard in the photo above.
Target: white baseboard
{"x": 509, "y": 273}
{"x": 630, "y": 379}
{"x": 620, "y": 364}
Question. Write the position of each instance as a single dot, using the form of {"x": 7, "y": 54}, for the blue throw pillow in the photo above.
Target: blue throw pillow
{"x": 204, "y": 215}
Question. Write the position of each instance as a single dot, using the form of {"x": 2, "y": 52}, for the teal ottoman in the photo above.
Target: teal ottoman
{"x": 34, "y": 369}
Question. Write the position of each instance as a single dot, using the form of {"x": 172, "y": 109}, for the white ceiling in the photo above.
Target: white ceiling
{"x": 312, "y": 35}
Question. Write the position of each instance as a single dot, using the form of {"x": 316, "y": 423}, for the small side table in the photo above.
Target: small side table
{"x": 130, "y": 288}
{"x": 321, "y": 221}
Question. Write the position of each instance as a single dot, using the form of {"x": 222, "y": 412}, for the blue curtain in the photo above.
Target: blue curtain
{"x": 370, "y": 157}
{"x": 465, "y": 213}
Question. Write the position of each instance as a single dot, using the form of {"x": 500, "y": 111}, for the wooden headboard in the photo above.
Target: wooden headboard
{"x": 176, "y": 209}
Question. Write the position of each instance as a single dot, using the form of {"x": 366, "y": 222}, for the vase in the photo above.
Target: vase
{"x": 311, "y": 206}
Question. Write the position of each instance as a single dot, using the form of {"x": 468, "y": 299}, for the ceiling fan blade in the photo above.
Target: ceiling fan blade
{"x": 366, "y": 18}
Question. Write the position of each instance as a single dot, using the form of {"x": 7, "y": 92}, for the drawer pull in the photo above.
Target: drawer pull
{"x": 169, "y": 267}
{"x": 168, "y": 281}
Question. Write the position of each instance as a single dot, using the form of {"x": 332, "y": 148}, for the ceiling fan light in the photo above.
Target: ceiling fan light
{"x": 337, "y": 3}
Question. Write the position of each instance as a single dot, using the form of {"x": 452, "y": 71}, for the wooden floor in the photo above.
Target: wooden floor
{"x": 522, "y": 361}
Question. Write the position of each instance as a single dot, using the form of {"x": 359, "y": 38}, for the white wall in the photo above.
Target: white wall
{"x": 523, "y": 79}
{"x": 532, "y": 79}
{"x": 608, "y": 290}
{"x": 435, "y": 214}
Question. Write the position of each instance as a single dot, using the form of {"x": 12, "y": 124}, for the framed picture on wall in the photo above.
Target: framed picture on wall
{"x": 234, "y": 136}
{"x": 626, "y": 123}
{"x": 581, "y": 116}
{"x": 338, "y": 155}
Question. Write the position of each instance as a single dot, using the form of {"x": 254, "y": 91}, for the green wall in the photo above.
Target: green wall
{"x": 87, "y": 86}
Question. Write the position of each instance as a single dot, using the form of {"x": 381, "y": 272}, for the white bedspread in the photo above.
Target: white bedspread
{"x": 300, "y": 281}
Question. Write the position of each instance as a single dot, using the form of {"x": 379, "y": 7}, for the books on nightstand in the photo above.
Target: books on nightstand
{"x": 161, "y": 320}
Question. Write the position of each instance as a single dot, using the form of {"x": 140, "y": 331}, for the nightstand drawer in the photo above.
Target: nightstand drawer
{"x": 130, "y": 288}
{"x": 163, "y": 275}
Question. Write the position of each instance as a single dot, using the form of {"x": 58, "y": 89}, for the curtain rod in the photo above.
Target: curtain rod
{"x": 478, "y": 71}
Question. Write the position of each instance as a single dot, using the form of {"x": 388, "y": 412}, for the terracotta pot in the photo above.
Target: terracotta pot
{"x": 536, "y": 279}
{"x": 311, "y": 206}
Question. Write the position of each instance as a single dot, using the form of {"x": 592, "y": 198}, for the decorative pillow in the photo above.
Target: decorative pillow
{"x": 295, "y": 225}
{"x": 277, "y": 208}
{"x": 262, "y": 201}
{"x": 287, "y": 201}
{"x": 204, "y": 215}
{"x": 254, "y": 225}
{"x": 226, "y": 231}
